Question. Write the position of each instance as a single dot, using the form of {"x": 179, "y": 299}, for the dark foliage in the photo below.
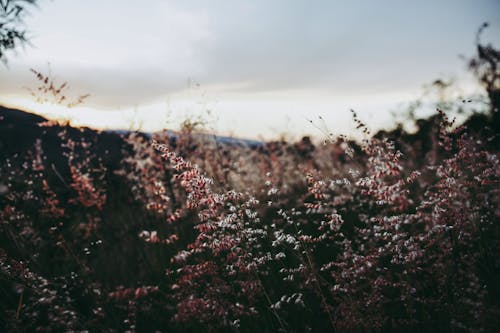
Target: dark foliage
{"x": 12, "y": 31}
{"x": 112, "y": 232}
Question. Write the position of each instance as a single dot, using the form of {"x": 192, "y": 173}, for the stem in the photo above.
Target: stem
{"x": 316, "y": 280}
{"x": 320, "y": 292}
{"x": 19, "y": 305}
{"x": 280, "y": 321}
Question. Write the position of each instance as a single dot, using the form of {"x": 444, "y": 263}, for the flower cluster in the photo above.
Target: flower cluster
{"x": 276, "y": 237}
{"x": 381, "y": 246}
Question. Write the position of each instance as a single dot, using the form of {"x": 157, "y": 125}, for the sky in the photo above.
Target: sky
{"x": 250, "y": 68}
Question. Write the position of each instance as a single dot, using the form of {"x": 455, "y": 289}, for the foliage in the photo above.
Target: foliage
{"x": 50, "y": 91}
{"x": 343, "y": 236}
{"x": 12, "y": 32}
{"x": 182, "y": 232}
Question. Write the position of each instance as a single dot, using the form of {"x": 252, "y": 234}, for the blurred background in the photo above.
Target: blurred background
{"x": 249, "y": 69}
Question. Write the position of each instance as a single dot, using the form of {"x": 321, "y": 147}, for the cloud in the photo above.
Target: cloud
{"x": 339, "y": 46}
{"x": 127, "y": 53}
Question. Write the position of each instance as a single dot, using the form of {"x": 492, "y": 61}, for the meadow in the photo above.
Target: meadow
{"x": 111, "y": 232}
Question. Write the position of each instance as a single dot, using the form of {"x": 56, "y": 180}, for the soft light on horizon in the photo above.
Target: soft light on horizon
{"x": 260, "y": 68}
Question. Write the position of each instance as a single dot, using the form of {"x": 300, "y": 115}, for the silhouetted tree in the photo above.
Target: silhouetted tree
{"x": 12, "y": 32}
{"x": 486, "y": 67}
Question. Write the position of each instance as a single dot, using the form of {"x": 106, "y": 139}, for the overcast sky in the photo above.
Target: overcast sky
{"x": 262, "y": 66}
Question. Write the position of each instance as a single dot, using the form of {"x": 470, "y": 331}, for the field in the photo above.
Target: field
{"x": 114, "y": 232}
{"x": 185, "y": 231}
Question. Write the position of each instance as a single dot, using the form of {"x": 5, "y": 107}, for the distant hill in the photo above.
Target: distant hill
{"x": 20, "y": 129}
